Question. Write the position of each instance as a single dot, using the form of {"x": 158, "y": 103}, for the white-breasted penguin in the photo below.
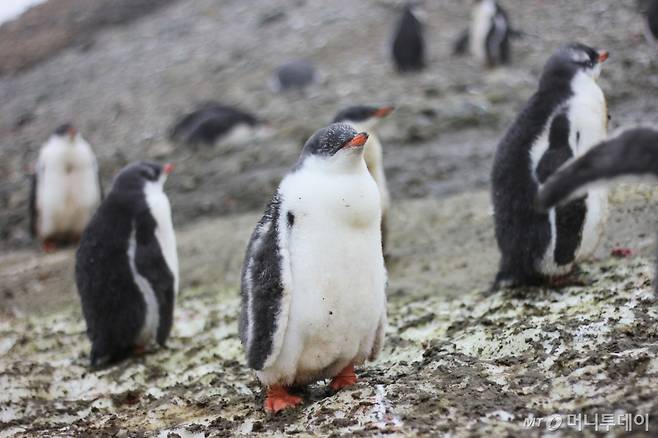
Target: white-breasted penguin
{"x": 651, "y": 28}
{"x": 127, "y": 266}
{"x": 65, "y": 188}
{"x": 488, "y": 37}
{"x": 408, "y": 40}
{"x": 633, "y": 152}
{"x": 565, "y": 117}
{"x": 212, "y": 122}
{"x": 366, "y": 118}
{"x": 313, "y": 279}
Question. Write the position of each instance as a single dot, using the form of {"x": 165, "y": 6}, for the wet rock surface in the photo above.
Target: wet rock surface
{"x": 456, "y": 359}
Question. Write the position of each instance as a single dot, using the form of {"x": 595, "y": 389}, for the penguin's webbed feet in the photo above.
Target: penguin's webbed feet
{"x": 346, "y": 377}
{"x": 49, "y": 246}
{"x": 279, "y": 399}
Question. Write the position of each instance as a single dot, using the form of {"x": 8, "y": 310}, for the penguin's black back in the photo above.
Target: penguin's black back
{"x": 112, "y": 303}
{"x": 408, "y": 43}
{"x": 208, "y": 123}
{"x": 514, "y": 187}
{"x": 652, "y": 18}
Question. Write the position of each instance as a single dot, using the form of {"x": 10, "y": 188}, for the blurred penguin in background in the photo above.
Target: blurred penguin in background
{"x": 66, "y": 189}
{"x": 408, "y": 40}
{"x": 488, "y": 37}
{"x": 295, "y": 75}
{"x": 365, "y": 118}
{"x": 213, "y": 122}
{"x": 651, "y": 29}
{"x": 127, "y": 266}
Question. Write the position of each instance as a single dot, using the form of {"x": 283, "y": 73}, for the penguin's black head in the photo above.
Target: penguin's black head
{"x": 362, "y": 113}
{"x": 334, "y": 139}
{"x": 66, "y": 130}
{"x": 573, "y": 58}
{"x": 136, "y": 175}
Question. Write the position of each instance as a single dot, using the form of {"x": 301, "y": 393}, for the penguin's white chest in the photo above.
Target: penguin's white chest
{"x": 338, "y": 275}
{"x": 67, "y": 188}
{"x": 587, "y": 115}
{"x": 160, "y": 208}
{"x": 481, "y": 24}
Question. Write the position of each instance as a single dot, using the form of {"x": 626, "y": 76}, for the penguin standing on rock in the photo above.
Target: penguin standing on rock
{"x": 127, "y": 266}
{"x": 563, "y": 119}
{"x": 634, "y": 152}
{"x": 65, "y": 190}
{"x": 313, "y": 279}
{"x": 365, "y": 118}
{"x": 488, "y": 38}
{"x": 408, "y": 41}
{"x": 213, "y": 122}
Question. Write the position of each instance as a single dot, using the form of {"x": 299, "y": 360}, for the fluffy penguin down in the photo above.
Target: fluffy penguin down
{"x": 333, "y": 307}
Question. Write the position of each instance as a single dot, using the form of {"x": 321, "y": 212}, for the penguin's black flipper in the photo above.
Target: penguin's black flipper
{"x": 33, "y": 204}
{"x": 635, "y": 152}
{"x": 151, "y": 264}
{"x": 460, "y": 47}
{"x": 265, "y": 289}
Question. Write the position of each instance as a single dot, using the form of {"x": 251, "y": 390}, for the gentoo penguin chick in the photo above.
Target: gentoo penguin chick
{"x": 365, "y": 118}
{"x": 488, "y": 36}
{"x": 65, "y": 190}
{"x": 563, "y": 119}
{"x": 313, "y": 279}
{"x": 298, "y": 74}
{"x": 652, "y": 23}
{"x": 212, "y": 122}
{"x": 408, "y": 41}
{"x": 634, "y": 152}
{"x": 127, "y": 266}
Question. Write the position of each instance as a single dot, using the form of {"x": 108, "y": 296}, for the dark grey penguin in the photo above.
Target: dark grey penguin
{"x": 634, "y": 152}
{"x": 313, "y": 268}
{"x": 408, "y": 41}
{"x": 213, "y": 121}
{"x": 127, "y": 266}
{"x": 298, "y": 74}
{"x": 563, "y": 119}
{"x": 488, "y": 37}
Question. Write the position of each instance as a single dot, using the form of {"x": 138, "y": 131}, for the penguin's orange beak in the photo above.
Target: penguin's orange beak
{"x": 71, "y": 132}
{"x": 358, "y": 141}
{"x": 168, "y": 168}
{"x": 603, "y": 56}
{"x": 384, "y": 111}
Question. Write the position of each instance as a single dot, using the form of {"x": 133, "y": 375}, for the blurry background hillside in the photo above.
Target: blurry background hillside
{"x": 124, "y": 70}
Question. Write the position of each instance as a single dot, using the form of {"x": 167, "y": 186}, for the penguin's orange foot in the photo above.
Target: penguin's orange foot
{"x": 345, "y": 378}
{"x": 279, "y": 399}
{"x": 49, "y": 246}
{"x": 622, "y": 253}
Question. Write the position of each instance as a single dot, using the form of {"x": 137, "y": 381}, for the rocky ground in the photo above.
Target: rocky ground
{"x": 456, "y": 360}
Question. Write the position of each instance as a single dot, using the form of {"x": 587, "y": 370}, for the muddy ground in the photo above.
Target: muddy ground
{"x": 456, "y": 361}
